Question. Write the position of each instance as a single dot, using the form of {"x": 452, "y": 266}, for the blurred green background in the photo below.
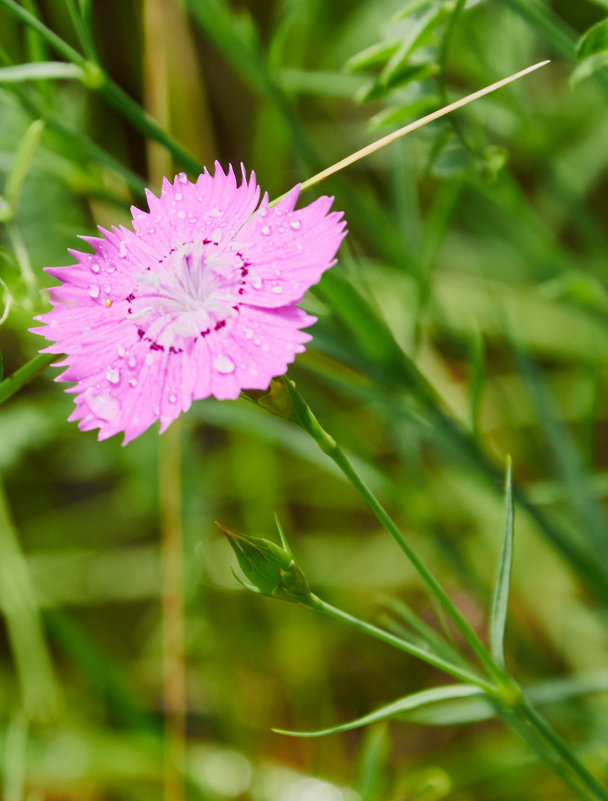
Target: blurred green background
{"x": 476, "y": 258}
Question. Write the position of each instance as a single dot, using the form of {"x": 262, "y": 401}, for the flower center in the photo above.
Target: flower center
{"x": 189, "y": 294}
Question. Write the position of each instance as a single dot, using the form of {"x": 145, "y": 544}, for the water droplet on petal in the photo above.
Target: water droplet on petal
{"x": 151, "y": 230}
{"x": 103, "y": 406}
{"x": 111, "y": 267}
{"x": 295, "y": 224}
{"x": 93, "y": 290}
{"x": 248, "y": 333}
{"x": 215, "y": 213}
{"x": 258, "y": 341}
{"x": 256, "y": 282}
{"x": 193, "y": 220}
{"x": 122, "y": 250}
{"x": 113, "y": 375}
{"x": 132, "y": 382}
{"x": 121, "y": 351}
{"x": 223, "y": 364}
{"x": 178, "y": 196}
{"x": 265, "y": 230}
{"x": 95, "y": 267}
{"x": 182, "y": 178}
{"x": 132, "y": 362}
{"x": 277, "y": 289}
{"x": 172, "y": 398}
{"x": 263, "y": 211}
{"x": 181, "y": 214}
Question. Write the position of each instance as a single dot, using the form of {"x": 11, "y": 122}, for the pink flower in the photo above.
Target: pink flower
{"x": 199, "y": 301}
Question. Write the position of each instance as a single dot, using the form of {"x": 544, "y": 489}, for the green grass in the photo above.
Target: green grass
{"x": 465, "y": 322}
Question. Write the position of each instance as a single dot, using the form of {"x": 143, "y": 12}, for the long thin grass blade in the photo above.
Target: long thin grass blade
{"x": 500, "y": 602}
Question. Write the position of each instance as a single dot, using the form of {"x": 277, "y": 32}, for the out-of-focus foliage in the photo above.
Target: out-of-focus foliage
{"x": 466, "y": 320}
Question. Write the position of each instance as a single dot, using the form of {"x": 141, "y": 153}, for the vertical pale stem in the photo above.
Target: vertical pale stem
{"x": 174, "y": 674}
{"x": 156, "y": 89}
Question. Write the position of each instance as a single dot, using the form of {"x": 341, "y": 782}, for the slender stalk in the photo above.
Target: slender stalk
{"x": 174, "y": 684}
{"x": 316, "y": 603}
{"x": 413, "y": 126}
{"x": 24, "y": 374}
{"x": 569, "y": 758}
{"x": 474, "y": 642}
{"x": 304, "y": 417}
{"x": 156, "y": 93}
{"x": 530, "y": 736}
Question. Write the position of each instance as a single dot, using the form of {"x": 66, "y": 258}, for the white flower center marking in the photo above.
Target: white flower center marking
{"x": 190, "y": 293}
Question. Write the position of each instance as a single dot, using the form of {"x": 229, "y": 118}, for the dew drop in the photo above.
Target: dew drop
{"x": 111, "y": 267}
{"x": 248, "y": 333}
{"x": 93, "y": 290}
{"x": 95, "y": 267}
{"x": 265, "y": 230}
{"x": 223, "y": 364}
{"x": 256, "y": 283}
{"x": 281, "y": 230}
{"x": 122, "y": 250}
{"x": 193, "y": 220}
{"x": 151, "y": 230}
{"x": 121, "y": 351}
{"x": 103, "y": 406}
{"x": 258, "y": 341}
{"x": 132, "y": 362}
{"x": 113, "y": 375}
{"x": 215, "y": 213}
{"x": 178, "y": 196}
{"x": 182, "y": 178}
{"x": 277, "y": 289}
{"x": 295, "y": 224}
{"x": 263, "y": 211}
{"x": 181, "y": 214}
{"x": 265, "y": 347}
{"x": 132, "y": 382}
{"x": 172, "y": 398}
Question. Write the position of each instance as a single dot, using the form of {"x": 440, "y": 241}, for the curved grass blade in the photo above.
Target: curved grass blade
{"x": 24, "y": 374}
{"x": 500, "y": 601}
{"x": 432, "y": 696}
{"x": 40, "y": 70}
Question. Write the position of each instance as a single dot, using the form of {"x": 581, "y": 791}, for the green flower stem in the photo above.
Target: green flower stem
{"x": 304, "y": 417}
{"x": 559, "y": 747}
{"x": 530, "y": 736}
{"x": 24, "y": 374}
{"x": 314, "y": 602}
{"x": 476, "y": 645}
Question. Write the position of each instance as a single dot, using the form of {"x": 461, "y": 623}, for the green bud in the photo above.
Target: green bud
{"x": 269, "y": 568}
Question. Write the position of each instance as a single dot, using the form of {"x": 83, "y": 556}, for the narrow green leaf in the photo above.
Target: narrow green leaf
{"x": 478, "y": 708}
{"x": 371, "y": 56}
{"x": 500, "y": 602}
{"x": 589, "y": 67}
{"x": 373, "y": 763}
{"x": 593, "y": 41}
{"x": 21, "y": 162}
{"x": 418, "y": 34}
{"x": 24, "y": 374}
{"x": 40, "y": 70}
{"x": 423, "y": 698}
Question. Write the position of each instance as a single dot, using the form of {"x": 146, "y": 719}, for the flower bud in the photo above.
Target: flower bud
{"x": 270, "y": 569}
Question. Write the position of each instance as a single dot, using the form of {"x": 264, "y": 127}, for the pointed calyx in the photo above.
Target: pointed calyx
{"x": 269, "y": 568}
